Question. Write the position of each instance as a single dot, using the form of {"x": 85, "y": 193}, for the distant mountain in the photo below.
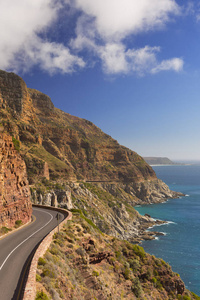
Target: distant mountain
{"x": 159, "y": 161}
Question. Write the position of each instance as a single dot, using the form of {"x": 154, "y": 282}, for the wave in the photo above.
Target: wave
{"x": 170, "y": 222}
{"x": 187, "y": 195}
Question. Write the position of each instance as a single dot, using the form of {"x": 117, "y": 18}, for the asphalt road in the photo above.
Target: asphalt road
{"x": 17, "y": 249}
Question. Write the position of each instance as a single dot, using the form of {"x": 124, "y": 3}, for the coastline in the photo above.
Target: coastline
{"x": 144, "y": 233}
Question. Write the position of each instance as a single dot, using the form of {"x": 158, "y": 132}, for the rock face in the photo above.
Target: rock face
{"x": 15, "y": 201}
{"x": 73, "y": 148}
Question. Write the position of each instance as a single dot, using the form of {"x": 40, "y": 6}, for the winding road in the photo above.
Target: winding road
{"x": 17, "y": 249}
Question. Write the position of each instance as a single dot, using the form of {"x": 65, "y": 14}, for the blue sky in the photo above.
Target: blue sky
{"x": 132, "y": 68}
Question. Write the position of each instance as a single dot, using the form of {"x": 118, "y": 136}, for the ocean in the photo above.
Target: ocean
{"x": 180, "y": 246}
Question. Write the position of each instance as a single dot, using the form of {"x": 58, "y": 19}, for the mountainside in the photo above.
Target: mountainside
{"x": 84, "y": 264}
{"x": 15, "y": 204}
{"x": 72, "y": 163}
{"x": 73, "y": 148}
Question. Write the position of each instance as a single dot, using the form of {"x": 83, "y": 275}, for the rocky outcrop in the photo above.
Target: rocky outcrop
{"x": 55, "y": 198}
{"x": 154, "y": 191}
{"x": 109, "y": 207}
{"x": 15, "y": 201}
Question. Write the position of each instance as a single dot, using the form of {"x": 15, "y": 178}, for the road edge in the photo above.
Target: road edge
{"x": 30, "y": 287}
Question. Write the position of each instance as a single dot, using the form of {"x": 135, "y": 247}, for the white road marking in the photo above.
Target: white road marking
{"x": 27, "y": 238}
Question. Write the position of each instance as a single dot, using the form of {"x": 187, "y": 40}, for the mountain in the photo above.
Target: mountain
{"x": 74, "y": 148}
{"x": 72, "y": 164}
{"x": 158, "y": 161}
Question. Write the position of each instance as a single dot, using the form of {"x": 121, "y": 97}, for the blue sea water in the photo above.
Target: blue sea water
{"x": 180, "y": 246}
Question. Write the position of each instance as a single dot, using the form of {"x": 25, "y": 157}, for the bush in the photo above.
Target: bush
{"x": 18, "y": 223}
{"x": 38, "y": 278}
{"x": 41, "y": 296}
{"x": 127, "y": 273}
{"x": 49, "y": 273}
{"x": 54, "y": 250}
{"x": 136, "y": 287}
{"x": 95, "y": 273}
{"x": 118, "y": 255}
{"x": 134, "y": 264}
{"x": 4, "y": 230}
{"x": 41, "y": 261}
{"x": 16, "y": 144}
{"x": 139, "y": 251}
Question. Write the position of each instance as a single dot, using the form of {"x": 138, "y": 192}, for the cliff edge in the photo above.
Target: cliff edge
{"x": 15, "y": 203}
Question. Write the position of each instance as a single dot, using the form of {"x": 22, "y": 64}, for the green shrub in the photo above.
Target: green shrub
{"x": 154, "y": 280}
{"x": 4, "y": 230}
{"x": 127, "y": 273}
{"x": 136, "y": 287}
{"x": 139, "y": 251}
{"x": 16, "y": 144}
{"x": 38, "y": 278}
{"x": 185, "y": 297}
{"x": 48, "y": 273}
{"x": 118, "y": 255}
{"x": 18, "y": 223}
{"x": 41, "y": 261}
{"x": 41, "y": 296}
{"x": 54, "y": 250}
{"x": 134, "y": 264}
{"x": 95, "y": 273}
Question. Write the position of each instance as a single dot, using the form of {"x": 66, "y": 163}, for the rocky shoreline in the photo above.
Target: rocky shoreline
{"x": 144, "y": 233}
{"x": 110, "y": 206}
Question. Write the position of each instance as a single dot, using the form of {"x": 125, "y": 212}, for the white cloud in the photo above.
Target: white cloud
{"x": 174, "y": 64}
{"x": 116, "y": 19}
{"x": 116, "y": 59}
{"x": 142, "y": 60}
{"x": 21, "y": 22}
{"x": 103, "y": 28}
{"x": 51, "y": 57}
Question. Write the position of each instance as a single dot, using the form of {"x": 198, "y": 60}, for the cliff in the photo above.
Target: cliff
{"x": 72, "y": 163}
{"x": 62, "y": 147}
{"x": 15, "y": 201}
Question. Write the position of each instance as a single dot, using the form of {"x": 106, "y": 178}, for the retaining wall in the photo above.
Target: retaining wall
{"x": 30, "y": 288}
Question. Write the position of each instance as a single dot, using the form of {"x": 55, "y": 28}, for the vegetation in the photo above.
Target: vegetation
{"x": 81, "y": 261}
{"x": 18, "y": 223}
{"x": 4, "y": 230}
{"x": 16, "y": 144}
{"x": 41, "y": 296}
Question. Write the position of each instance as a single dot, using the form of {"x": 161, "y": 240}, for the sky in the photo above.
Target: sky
{"x": 131, "y": 67}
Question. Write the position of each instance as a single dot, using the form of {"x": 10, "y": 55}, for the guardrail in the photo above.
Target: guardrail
{"x": 30, "y": 288}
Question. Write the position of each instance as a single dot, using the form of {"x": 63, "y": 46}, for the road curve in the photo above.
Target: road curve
{"x": 17, "y": 249}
